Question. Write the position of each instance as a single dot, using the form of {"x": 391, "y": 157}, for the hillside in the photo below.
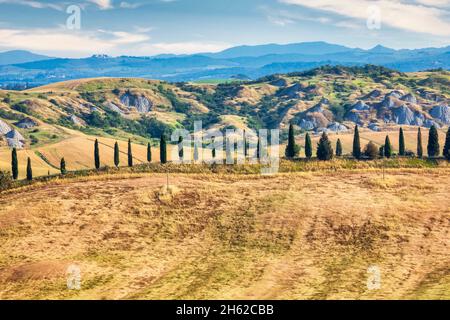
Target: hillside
{"x": 289, "y": 236}
{"x": 332, "y": 99}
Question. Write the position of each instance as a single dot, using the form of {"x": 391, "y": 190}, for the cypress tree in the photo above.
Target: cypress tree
{"x": 62, "y": 166}
{"x": 96, "y": 155}
{"x": 14, "y": 164}
{"x": 308, "y": 146}
{"x": 258, "y": 149}
{"x": 419, "y": 144}
{"x": 245, "y": 145}
{"x": 324, "y": 149}
{"x": 130, "y": 154}
{"x": 338, "y": 148}
{"x": 163, "y": 149}
{"x": 116, "y": 154}
{"x": 229, "y": 154}
{"x": 29, "y": 170}
{"x": 180, "y": 148}
{"x": 387, "y": 148}
{"x": 356, "y": 144}
{"x": 433, "y": 143}
{"x": 213, "y": 151}
{"x": 292, "y": 148}
{"x": 195, "y": 152}
{"x": 401, "y": 143}
{"x": 149, "y": 152}
{"x": 447, "y": 145}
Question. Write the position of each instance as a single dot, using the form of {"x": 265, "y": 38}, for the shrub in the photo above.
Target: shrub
{"x": 5, "y": 180}
{"x": 324, "y": 149}
{"x": 371, "y": 151}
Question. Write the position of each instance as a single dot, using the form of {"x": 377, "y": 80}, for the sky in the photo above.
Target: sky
{"x": 142, "y": 28}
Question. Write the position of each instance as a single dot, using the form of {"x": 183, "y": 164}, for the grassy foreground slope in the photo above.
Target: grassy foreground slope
{"x": 289, "y": 236}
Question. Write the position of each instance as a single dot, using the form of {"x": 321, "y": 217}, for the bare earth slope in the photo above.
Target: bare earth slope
{"x": 293, "y": 236}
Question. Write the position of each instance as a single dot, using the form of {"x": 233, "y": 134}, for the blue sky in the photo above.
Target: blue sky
{"x": 190, "y": 26}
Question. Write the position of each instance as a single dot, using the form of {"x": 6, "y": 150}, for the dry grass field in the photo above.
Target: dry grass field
{"x": 216, "y": 236}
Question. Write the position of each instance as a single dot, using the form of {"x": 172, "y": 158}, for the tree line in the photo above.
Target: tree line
{"x": 324, "y": 150}
{"x": 371, "y": 151}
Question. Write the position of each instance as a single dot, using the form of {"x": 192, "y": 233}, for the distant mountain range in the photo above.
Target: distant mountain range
{"x": 20, "y": 56}
{"x": 25, "y": 69}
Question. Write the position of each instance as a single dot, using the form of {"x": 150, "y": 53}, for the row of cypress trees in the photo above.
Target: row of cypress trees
{"x": 324, "y": 150}
{"x": 163, "y": 148}
{"x": 386, "y": 150}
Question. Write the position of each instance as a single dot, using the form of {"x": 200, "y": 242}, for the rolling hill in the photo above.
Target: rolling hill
{"x": 330, "y": 99}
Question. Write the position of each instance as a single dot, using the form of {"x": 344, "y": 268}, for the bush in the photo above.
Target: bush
{"x": 5, "y": 180}
{"x": 371, "y": 151}
{"x": 324, "y": 149}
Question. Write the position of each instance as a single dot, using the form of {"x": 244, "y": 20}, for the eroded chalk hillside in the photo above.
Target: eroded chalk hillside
{"x": 290, "y": 236}
{"x": 332, "y": 99}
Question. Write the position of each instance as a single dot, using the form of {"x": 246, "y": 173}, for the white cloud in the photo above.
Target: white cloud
{"x": 103, "y": 4}
{"x": 128, "y": 5}
{"x": 75, "y": 44}
{"x": 34, "y": 4}
{"x": 62, "y": 42}
{"x": 435, "y": 3}
{"x": 394, "y": 13}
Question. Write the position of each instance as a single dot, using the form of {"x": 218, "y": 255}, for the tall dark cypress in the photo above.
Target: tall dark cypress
{"x": 163, "y": 149}
{"x": 116, "y": 154}
{"x": 196, "y": 155}
{"x": 401, "y": 143}
{"x": 419, "y": 144}
{"x": 14, "y": 164}
{"x": 213, "y": 151}
{"x": 245, "y": 145}
{"x": 291, "y": 147}
{"x": 29, "y": 170}
{"x": 149, "y": 152}
{"x": 180, "y": 148}
{"x": 433, "y": 143}
{"x": 324, "y": 149}
{"x": 447, "y": 145}
{"x": 356, "y": 144}
{"x": 258, "y": 148}
{"x": 130, "y": 154}
{"x": 229, "y": 153}
{"x": 96, "y": 155}
{"x": 387, "y": 148}
{"x": 62, "y": 166}
{"x": 308, "y": 146}
{"x": 338, "y": 148}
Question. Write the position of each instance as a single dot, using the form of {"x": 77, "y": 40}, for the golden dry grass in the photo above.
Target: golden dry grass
{"x": 289, "y": 236}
